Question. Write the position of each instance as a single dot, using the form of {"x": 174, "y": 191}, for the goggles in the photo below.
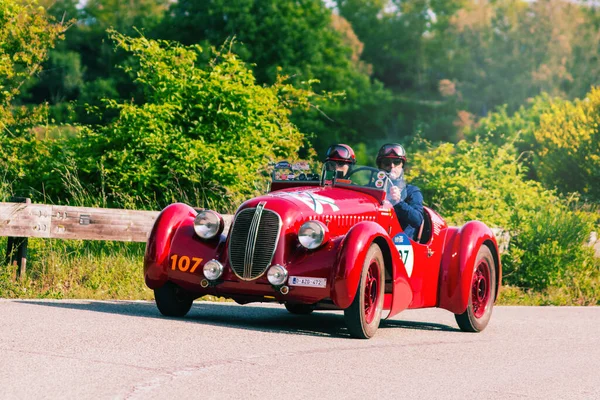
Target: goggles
{"x": 392, "y": 150}
{"x": 338, "y": 152}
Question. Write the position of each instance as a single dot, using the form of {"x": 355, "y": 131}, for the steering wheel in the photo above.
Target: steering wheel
{"x": 372, "y": 177}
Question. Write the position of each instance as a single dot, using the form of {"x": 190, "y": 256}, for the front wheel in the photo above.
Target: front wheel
{"x": 482, "y": 293}
{"x": 172, "y": 301}
{"x": 364, "y": 314}
{"x": 300, "y": 309}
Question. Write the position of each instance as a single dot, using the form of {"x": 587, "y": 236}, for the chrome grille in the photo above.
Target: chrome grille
{"x": 254, "y": 238}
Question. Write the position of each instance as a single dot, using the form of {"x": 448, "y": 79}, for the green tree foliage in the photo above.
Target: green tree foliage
{"x": 26, "y": 34}
{"x": 505, "y": 52}
{"x": 298, "y": 39}
{"x": 568, "y": 140}
{"x": 402, "y": 39}
{"x": 558, "y": 140}
{"x": 84, "y": 67}
{"x": 203, "y": 135}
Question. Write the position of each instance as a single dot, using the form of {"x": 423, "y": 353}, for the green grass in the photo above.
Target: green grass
{"x": 552, "y": 296}
{"x": 77, "y": 269}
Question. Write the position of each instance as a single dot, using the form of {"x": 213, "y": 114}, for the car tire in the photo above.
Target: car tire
{"x": 364, "y": 314}
{"x": 300, "y": 309}
{"x": 172, "y": 301}
{"x": 482, "y": 293}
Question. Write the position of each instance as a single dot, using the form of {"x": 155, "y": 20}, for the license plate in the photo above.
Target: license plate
{"x": 306, "y": 281}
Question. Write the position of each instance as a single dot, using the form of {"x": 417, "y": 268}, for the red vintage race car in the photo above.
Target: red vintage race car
{"x": 324, "y": 241}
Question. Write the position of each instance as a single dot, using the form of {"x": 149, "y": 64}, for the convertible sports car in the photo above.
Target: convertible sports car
{"x": 324, "y": 241}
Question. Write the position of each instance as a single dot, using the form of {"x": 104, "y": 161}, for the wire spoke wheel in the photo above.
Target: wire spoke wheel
{"x": 364, "y": 314}
{"x": 481, "y": 294}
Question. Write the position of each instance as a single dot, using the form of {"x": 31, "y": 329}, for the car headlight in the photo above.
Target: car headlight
{"x": 208, "y": 224}
{"x": 213, "y": 270}
{"x": 277, "y": 275}
{"x": 313, "y": 234}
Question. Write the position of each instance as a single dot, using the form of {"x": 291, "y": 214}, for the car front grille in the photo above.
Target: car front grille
{"x": 254, "y": 238}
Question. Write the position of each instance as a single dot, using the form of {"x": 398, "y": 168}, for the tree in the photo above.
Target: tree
{"x": 297, "y": 39}
{"x": 568, "y": 141}
{"x": 26, "y": 35}
{"x": 204, "y": 135}
{"x": 85, "y": 67}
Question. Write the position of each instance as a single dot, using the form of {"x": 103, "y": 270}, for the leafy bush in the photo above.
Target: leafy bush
{"x": 26, "y": 35}
{"x": 204, "y": 136}
{"x": 477, "y": 180}
{"x": 548, "y": 249}
{"x": 561, "y": 136}
{"x": 569, "y": 146}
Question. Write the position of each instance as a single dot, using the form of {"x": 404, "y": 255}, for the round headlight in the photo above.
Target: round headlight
{"x": 277, "y": 275}
{"x": 208, "y": 224}
{"x": 213, "y": 270}
{"x": 312, "y": 234}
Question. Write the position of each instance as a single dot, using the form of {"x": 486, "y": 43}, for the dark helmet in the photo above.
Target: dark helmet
{"x": 340, "y": 153}
{"x": 393, "y": 151}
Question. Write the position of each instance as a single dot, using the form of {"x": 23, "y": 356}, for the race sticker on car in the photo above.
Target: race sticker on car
{"x": 307, "y": 281}
{"x": 405, "y": 249}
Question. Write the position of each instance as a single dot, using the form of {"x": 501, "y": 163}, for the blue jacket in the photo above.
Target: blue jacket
{"x": 410, "y": 211}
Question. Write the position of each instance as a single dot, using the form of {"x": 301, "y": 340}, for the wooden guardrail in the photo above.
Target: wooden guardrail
{"x": 20, "y": 220}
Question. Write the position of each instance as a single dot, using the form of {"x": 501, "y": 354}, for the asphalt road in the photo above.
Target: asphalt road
{"x": 127, "y": 350}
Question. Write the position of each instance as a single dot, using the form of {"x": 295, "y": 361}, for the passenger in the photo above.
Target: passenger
{"x": 406, "y": 199}
{"x": 343, "y": 156}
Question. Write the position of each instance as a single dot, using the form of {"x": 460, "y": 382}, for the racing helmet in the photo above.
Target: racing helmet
{"x": 341, "y": 153}
{"x": 391, "y": 150}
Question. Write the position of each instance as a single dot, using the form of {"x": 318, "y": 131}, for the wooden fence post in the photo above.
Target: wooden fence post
{"x": 16, "y": 249}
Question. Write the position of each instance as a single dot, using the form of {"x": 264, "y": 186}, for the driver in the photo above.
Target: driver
{"x": 406, "y": 199}
{"x": 343, "y": 156}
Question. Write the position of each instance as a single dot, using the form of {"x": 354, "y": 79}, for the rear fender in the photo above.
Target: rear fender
{"x": 175, "y": 220}
{"x": 458, "y": 264}
{"x": 351, "y": 258}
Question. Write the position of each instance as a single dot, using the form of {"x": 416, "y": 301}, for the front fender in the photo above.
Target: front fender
{"x": 173, "y": 225}
{"x": 458, "y": 264}
{"x": 351, "y": 258}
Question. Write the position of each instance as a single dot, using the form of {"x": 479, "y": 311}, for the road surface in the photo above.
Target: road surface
{"x": 126, "y": 350}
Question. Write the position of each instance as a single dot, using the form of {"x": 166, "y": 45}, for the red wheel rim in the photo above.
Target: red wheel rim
{"x": 371, "y": 292}
{"x": 480, "y": 289}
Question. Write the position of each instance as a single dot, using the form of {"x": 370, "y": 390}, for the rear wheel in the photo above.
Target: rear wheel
{"x": 364, "y": 314}
{"x": 172, "y": 301}
{"x": 300, "y": 309}
{"x": 482, "y": 293}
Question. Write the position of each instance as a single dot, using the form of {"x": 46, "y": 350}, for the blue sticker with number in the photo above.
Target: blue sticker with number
{"x": 402, "y": 243}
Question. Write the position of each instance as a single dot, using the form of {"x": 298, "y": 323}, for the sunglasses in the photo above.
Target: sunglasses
{"x": 338, "y": 151}
{"x": 387, "y": 162}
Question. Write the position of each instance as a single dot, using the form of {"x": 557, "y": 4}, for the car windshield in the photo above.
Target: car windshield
{"x": 354, "y": 175}
{"x": 285, "y": 171}
{"x": 331, "y": 173}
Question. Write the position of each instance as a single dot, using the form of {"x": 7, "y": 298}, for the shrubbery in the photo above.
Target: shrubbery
{"x": 478, "y": 180}
{"x": 203, "y": 135}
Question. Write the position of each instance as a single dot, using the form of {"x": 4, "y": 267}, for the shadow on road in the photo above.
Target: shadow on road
{"x": 265, "y": 319}
{"x": 422, "y": 326}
